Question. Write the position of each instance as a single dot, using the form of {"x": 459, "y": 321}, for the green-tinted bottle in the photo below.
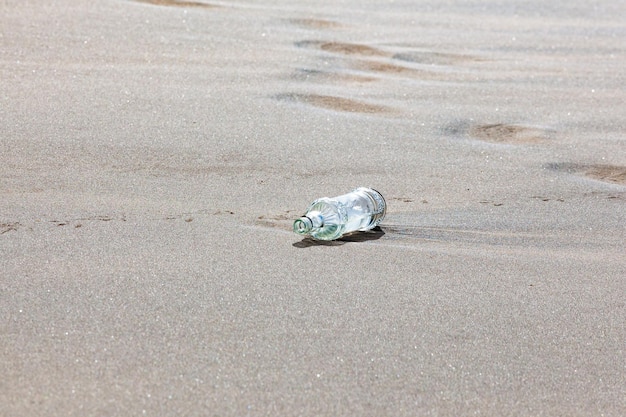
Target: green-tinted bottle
{"x": 330, "y": 218}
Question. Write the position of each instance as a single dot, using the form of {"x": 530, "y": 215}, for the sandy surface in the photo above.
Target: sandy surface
{"x": 154, "y": 153}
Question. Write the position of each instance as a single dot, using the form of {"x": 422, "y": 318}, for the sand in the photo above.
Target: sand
{"x": 153, "y": 155}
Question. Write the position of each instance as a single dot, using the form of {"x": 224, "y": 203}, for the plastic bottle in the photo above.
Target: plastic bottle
{"x": 330, "y": 218}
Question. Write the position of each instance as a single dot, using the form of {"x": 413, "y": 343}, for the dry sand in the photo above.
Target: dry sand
{"x": 153, "y": 154}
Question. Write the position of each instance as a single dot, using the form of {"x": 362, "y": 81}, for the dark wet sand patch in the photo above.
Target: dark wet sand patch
{"x": 335, "y": 103}
{"x": 315, "y": 23}
{"x": 508, "y": 133}
{"x": 343, "y": 48}
{"x": 179, "y": 3}
{"x": 614, "y": 174}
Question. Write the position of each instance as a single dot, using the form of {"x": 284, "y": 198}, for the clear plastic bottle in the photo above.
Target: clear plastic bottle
{"x": 330, "y": 218}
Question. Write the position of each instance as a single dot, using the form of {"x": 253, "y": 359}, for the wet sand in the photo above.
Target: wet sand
{"x": 154, "y": 154}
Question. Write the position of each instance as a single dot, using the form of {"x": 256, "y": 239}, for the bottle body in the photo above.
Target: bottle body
{"x": 330, "y": 218}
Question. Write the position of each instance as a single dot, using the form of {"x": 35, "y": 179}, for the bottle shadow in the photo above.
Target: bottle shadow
{"x": 374, "y": 234}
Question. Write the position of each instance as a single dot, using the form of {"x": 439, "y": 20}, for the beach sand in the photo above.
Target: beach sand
{"x": 153, "y": 155}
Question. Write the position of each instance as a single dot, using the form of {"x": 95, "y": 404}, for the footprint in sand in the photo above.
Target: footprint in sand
{"x": 178, "y": 3}
{"x": 280, "y": 221}
{"x": 613, "y": 174}
{"x": 435, "y": 58}
{"x": 389, "y": 68}
{"x": 417, "y": 57}
{"x": 343, "y": 48}
{"x": 509, "y": 133}
{"x": 315, "y": 23}
{"x": 401, "y": 199}
{"x": 375, "y": 60}
{"x": 9, "y": 227}
{"x": 328, "y": 76}
{"x": 504, "y": 133}
{"x": 334, "y": 103}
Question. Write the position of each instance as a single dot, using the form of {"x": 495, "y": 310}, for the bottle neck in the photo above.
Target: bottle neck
{"x": 303, "y": 225}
